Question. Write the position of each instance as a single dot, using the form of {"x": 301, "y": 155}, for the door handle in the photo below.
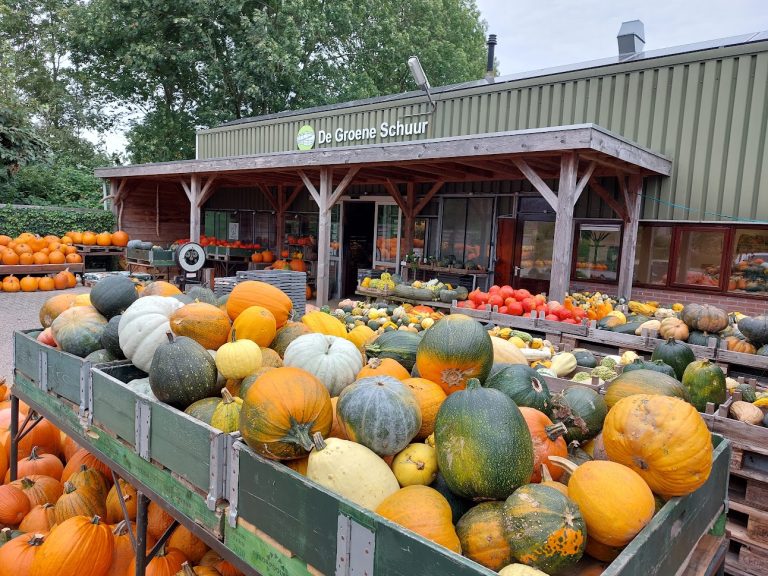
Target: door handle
{"x": 517, "y": 270}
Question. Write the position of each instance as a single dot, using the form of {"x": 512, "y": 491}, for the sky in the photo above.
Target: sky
{"x": 534, "y": 34}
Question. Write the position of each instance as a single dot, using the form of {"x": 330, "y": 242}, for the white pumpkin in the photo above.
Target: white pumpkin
{"x": 143, "y": 327}
{"x": 332, "y": 360}
{"x": 353, "y": 471}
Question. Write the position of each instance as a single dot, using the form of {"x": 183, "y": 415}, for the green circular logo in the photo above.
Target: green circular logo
{"x": 305, "y": 139}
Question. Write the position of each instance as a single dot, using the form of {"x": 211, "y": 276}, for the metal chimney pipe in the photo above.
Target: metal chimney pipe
{"x": 491, "y": 50}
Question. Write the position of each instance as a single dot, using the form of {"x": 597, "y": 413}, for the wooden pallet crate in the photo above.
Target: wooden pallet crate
{"x": 745, "y": 556}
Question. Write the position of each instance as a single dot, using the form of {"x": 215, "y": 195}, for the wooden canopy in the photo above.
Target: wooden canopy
{"x": 574, "y": 155}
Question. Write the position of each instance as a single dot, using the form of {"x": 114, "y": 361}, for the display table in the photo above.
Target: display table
{"x": 90, "y": 252}
{"x": 450, "y": 275}
{"x": 369, "y": 294}
{"x": 34, "y": 269}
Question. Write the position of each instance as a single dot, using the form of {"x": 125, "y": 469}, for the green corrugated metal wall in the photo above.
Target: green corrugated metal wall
{"x": 707, "y": 111}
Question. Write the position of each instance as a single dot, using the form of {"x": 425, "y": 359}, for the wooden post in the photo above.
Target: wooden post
{"x": 323, "y": 235}
{"x": 563, "y": 242}
{"x": 409, "y": 221}
{"x": 280, "y": 220}
{"x": 632, "y": 193}
{"x": 194, "y": 209}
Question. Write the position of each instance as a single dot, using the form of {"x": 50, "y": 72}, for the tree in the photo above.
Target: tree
{"x": 19, "y": 142}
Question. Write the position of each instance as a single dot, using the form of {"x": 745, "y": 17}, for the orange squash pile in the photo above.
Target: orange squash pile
{"x": 28, "y": 249}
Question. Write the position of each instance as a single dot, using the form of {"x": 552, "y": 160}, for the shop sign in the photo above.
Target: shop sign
{"x": 306, "y": 138}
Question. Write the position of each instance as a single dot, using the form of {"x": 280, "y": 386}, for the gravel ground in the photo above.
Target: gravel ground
{"x": 19, "y": 311}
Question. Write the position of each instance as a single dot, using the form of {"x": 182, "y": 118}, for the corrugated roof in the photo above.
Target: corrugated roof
{"x": 602, "y": 62}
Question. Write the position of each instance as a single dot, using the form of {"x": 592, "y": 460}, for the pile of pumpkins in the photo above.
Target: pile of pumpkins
{"x": 416, "y": 426}
{"x": 59, "y": 281}
{"x": 382, "y": 316}
{"x": 87, "y": 238}
{"x": 28, "y": 249}
{"x": 62, "y": 514}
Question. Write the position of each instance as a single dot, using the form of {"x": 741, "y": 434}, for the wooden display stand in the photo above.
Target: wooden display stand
{"x": 41, "y": 269}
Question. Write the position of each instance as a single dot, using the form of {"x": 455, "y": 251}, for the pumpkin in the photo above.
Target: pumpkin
{"x": 40, "y": 432}
{"x": 454, "y": 350}
{"x": 123, "y": 552}
{"x": 78, "y": 330}
{"x": 281, "y": 412}
{"x": 674, "y": 328}
{"x": 675, "y": 354}
{"x": 202, "y": 294}
{"x": 602, "y": 552}
{"x": 78, "y": 501}
{"x": 103, "y": 239}
{"x": 614, "y": 500}
{"x": 520, "y": 570}
{"x": 699, "y": 338}
{"x": 522, "y": 384}
{"x": 547, "y": 441}
{"x": 39, "y": 519}
{"x": 68, "y": 447}
{"x": 44, "y": 464}
{"x": 82, "y": 458}
{"x": 256, "y": 323}
{"x": 423, "y": 510}
{"x": 582, "y": 410}
{"x": 254, "y": 293}
{"x": 505, "y": 352}
{"x": 110, "y": 340}
{"x": 54, "y": 306}
{"x": 206, "y": 324}
{"x": 6, "y": 535}
{"x": 11, "y": 284}
{"x": 238, "y": 358}
{"x": 120, "y": 238}
{"x": 241, "y": 389}
{"x": 643, "y": 382}
{"x": 16, "y": 556}
{"x": 270, "y": 359}
{"x": 704, "y": 318}
{"x": 484, "y": 448}
{"x": 705, "y": 382}
{"x": 14, "y": 505}
{"x": 212, "y": 559}
{"x": 416, "y": 464}
{"x": 323, "y": 323}
{"x": 222, "y": 413}
{"x": 160, "y": 288}
{"x": 183, "y": 372}
{"x": 655, "y": 365}
{"x": 661, "y": 438}
{"x": 187, "y": 570}
{"x": 544, "y": 528}
{"x": 481, "y": 532}
{"x": 755, "y": 329}
{"x": 167, "y": 562}
{"x": 287, "y": 334}
{"x": 334, "y": 361}
{"x": 735, "y": 344}
{"x": 112, "y": 295}
{"x": 360, "y": 336}
{"x": 158, "y": 520}
{"x": 189, "y": 544}
{"x": 29, "y": 283}
{"x": 112, "y": 504}
{"x": 83, "y": 300}
{"x": 398, "y": 345}
{"x": 39, "y": 489}
{"x": 383, "y": 367}
{"x": 144, "y": 327}
{"x": 46, "y": 284}
{"x": 429, "y": 397}
{"x": 352, "y": 471}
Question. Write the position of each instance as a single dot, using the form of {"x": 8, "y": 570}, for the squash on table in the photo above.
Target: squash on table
{"x": 334, "y": 361}
{"x": 384, "y": 367}
{"x": 674, "y": 328}
{"x": 222, "y": 413}
{"x": 544, "y": 528}
{"x": 675, "y": 354}
{"x": 416, "y": 464}
{"x": 238, "y": 358}
{"x": 160, "y": 288}
{"x": 735, "y": 344}
{"x": 54, "y": 306}
{"x": 110, "y": 339}
{"x": 14, "y": 505}
{"x": 78, "y": 502}
{"x": 114, "y": 510}
{"x": 643, "y": 381}
{"x": 112, "y": 295}
{"x": 123, "y": 551}
{"x": 17, "y": 555}
{"x": 614, "y": 500}
{"x": 79, "y": 545}
{"x": 746, "y": 412}
{"x": 206, "y": 324}
{"x": 582, "y": 410}
{"x": 183, "y": 372}
{"x": 143, "y": 328}
{"x": 655, "y": 365}
{"x": 39, "y": 489}
{"x": 563, "y": 364}
{"x": 705, "y": 382}
{"x": 45, "y": 464}
{"x": 256, "y": 323}
{"x": 704, "y": 318}
{"x": 755, "y": 329}
{"x": 78, "y": 330}
{"x": 352, "y": 471}
{"x": 547, "y": 439}
{"x": 522, "y": 384}
{"x": 456, "y": 349}
{"x": 398, "y": 345}
{"x": 429, "y": 397}
{"x": 481, "y": 532}
{"x": 39, "y": 519}
{"x": 423, "y": 510}
{"x": 189, "y": 544}
{"x": 663, "y": 439}
{"x": 505, "y": 352}
{"x": 281, "y": 412}
{"x": 254, "y": 293}
{"x": 167, "y": 562}
{"x": 323, "y": 323}
{"x": 379, "y": 412}
{"x": 287, "y": 334}
{"x": 484, "y": 448}
{"x": 520, "y": 570}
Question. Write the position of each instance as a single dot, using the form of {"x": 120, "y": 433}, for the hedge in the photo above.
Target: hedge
{"x": 52, "y": 220}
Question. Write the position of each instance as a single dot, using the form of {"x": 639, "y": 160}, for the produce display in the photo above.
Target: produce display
{"x": 88, "y": 238}
{"x": 31, "y": 250}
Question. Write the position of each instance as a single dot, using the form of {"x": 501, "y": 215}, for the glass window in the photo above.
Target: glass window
{"x": 466, "y": 235}
{"x": 453, "y": 233}
{"x": 597, "y": 252}
{"x": 264, "y": 230}
{"x": 749, "y": 261}
{"x": 387, "y": 233}
{"x": 536, "y": 249}
{"x": 335, "y": 230}
{"x": 699, "y": 256}
{"x": 652, "y": 254}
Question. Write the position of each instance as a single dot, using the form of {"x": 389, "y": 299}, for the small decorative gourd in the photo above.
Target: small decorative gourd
{"x": 238, "y": 358}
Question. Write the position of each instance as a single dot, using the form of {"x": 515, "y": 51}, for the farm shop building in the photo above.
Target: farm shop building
{"x": 642, "y": 174}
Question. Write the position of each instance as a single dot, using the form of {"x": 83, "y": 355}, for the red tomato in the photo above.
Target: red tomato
{"x": 570, "y": 321}
{"x": 515, "y": 308}
{"x": 469, "y": 304}
{"x": 503, "y": 310}
{"x": 540, "y": 299}
{"x": 494, "y": 288}
{"x": 551, "y": 317}
{"x": 495, "y": 300}
{"x": 563, "y": 313}
{"x": 542, "y": 308}
{"x": 529, "y": 304}
{"x": 507, "y": 292}
{"x": 522, "y": 294}
{"x": 478, "y": 297}
{"x": 508, "y": 301}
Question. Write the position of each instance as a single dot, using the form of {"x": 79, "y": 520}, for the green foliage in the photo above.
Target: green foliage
{"x": 162, "y": 136}
{"x": 19, "y": 142}
{"x": 57, "y": 184}
{"x": 15, "y": 220}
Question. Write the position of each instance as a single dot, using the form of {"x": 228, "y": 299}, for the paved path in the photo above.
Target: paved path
{"x": 20, "y": 311}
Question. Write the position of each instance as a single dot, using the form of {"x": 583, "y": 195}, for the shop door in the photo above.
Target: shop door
{"x": 357, "y": 247}
{"x": 505, "y": 251}
{"x": 524, "y": 252}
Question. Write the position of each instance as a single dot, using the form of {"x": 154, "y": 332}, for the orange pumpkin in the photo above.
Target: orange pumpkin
{"x": 3, "y": 458}
{"x": 257, "y": 257}
{"x": 255, "y": 293}
{"x": 384, "y": 367}
{"x": 29, "y": 284}
{"x": 158, "y": 520}
{"x": 45, "y": 464}
{"x": 68, "y": 447}
{"x": 192, "y": 547}
{"x": 547, "y": 441}
{"x": 23, "y": 248}
{"x": 114, "y": 510}
{"x": 77, "y": 237}
{"x": 73, "y": 258}
{"x": 268, "y": 256}
{"x": 40, "y": 258}
{"x": 14, "y": 505}
{"x": 123, "y": 553}
{"x": 160, "y": 288}
{"x": 84, "y": 458}
{"x": 39, "y": 489}
{"x": 167, "y": 563}
{"x": 482, "y": 535}
{"x": 255, "y": 323}
{"x": 39, "y": 519}
{"x": 44, "y": 435}
{"x": 430, "y": 397}
{"x": 104, "y": 239}
{"x": 89, "y": 239}
{"x": 78, "y": 502}
{"x": 61, "y": 280}
{"x": 46, "y": 284}
{"x": 16, "y": 556}
{"x": 71, "y": 280}
{"x": 10, "y": 258}
{"x": 284, "y": 254}
{"x": 223, "y": 567}
{"x": 4, "y": 240}
{"x": 66, "y": 240}
{"x": 91, "y": 480}
{"x": 206, "y": 324}
{"x": 337, "y": 431}
{"x": 120, "y": 238}
{"x": 78, "y": 545}
{"x": 298, "y": 265}
{"x": 26, "y": 259}
{"x": 69, "y": 250}
{"x": 11, "y": 284}
{"x": 54, "y": 306}
{"x": 56, "y": 257}
{"x": 37, "y": 243}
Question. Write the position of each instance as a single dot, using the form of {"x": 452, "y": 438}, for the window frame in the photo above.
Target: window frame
{"x": 725, "y": 269}
{"x": 575, "y": 248}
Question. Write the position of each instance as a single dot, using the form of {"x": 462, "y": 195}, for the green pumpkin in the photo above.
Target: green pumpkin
{"x": 112, "y": 295}
{"x": 629, "y": 327}
{"x": 7, "y": 534}
{"x": 699, "y": 338}
{"x": 755, "y": 330}
{"x": 379, "y": 412}
{"x": 643, "y": 381}
{"x": 521, "y": 383}
{"x": 398, "y": 345}
{"x": 748, "y": 393}
{"x": 705, "y": 382}
{"x": 544, "y": 528}
{"x": 582, "y": 410}
{"x": 584, "y": 358}
{"x": 221, "y": 301}
{"x": 459, "y": 505}
{"x": 675, "y": 354}
{"x": 202, "y": 294}
{"x": 655, "y": 365}
{"x": 222, "y": 413}
{"x": 110, "y": 340}
{"x": 78, "y": 330}
{"x": 183, "y": 298}
{"x": 484, "y": 448}
{"x": 288, "y": 334}
{"x": 763, "y": 350}
{"x": 182, "y": 372}
{"x": 482, "y": 534}
{"x": 576, "y": 455}
{"x": 448, "y": 296}
{"x": 100, "y": 357}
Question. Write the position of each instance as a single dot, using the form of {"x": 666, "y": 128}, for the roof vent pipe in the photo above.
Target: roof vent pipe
{"x": 490, "y": 64}
{"x": 631, "y": 37}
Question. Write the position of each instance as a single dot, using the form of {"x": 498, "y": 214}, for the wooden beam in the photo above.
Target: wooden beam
{"x": 395, "y": 193}
{"x": 207, "y": 190}
{"x": 537, "y": 182}
{"x": 608, "y": 198}
{"x": 194, "y": 209}
{"x": 634, "y": 197}
{"x": 323, "y": 235}
{"x": 430, "y": 194}
{"x": 584, "y": 179}
{"x": 562, "y": 250}
{"x": 187, "y": 189}
{"x": 121, "y": 190}
{"x": 310, "y": 187}
{"x": 473, "y": 169}
{"x": 409, "y": 219}
{"x": 296, "y": 189}
{"x": 342, "y": 186}
{"x": 270, "y": 198}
